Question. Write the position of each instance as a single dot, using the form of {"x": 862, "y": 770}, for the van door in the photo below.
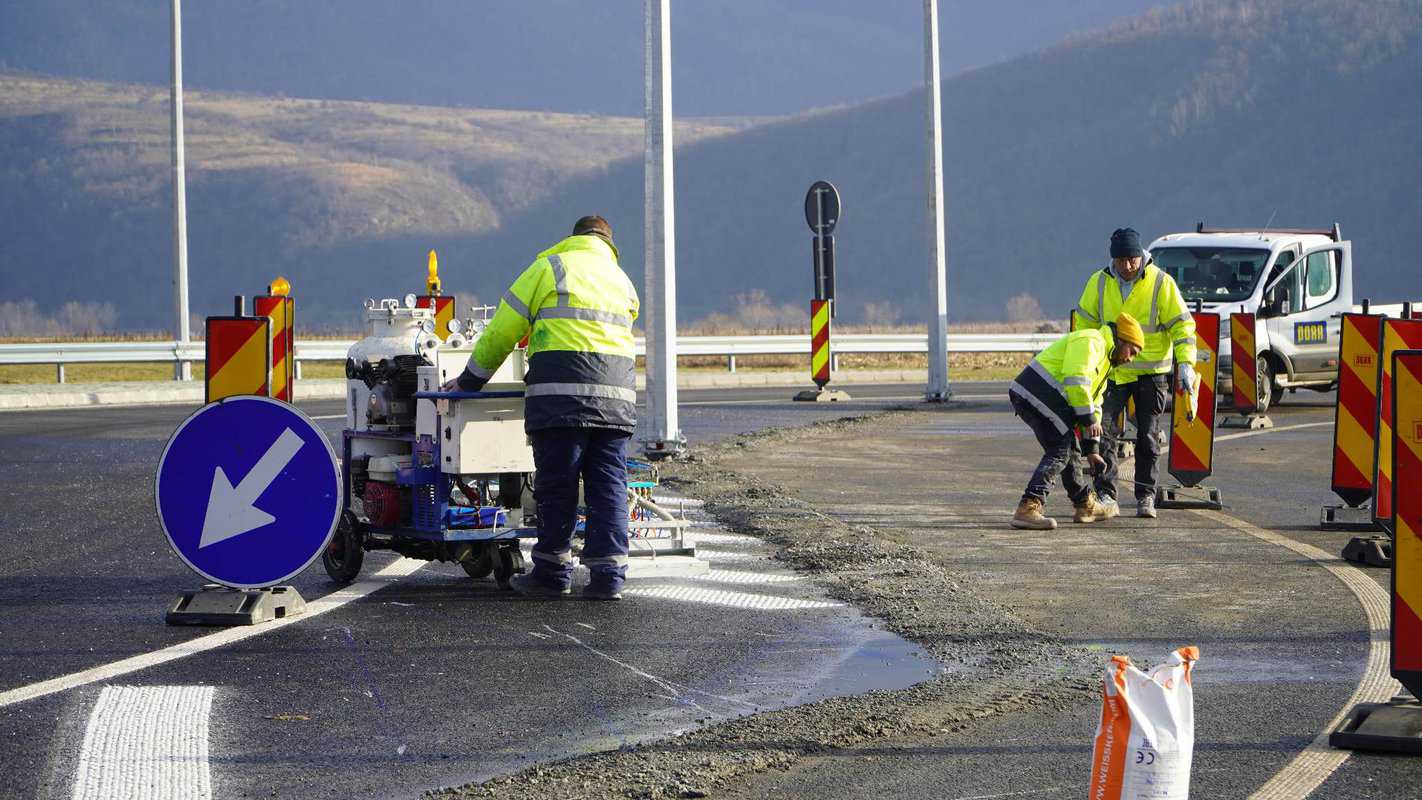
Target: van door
{"x": 1302, "y": 307}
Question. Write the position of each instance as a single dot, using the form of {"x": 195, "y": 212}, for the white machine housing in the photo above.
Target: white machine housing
{"x": 477, "y": 436}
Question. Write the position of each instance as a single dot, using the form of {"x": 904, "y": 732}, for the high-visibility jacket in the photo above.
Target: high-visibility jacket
{"x": 1156, "y": 303}
{"x": 1067, "y": 381}
{"x": 576, "y": 306}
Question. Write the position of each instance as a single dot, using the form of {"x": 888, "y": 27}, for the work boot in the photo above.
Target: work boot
{"x": 1029, "y": 516}
{"x": 1145, "y": 507}
{"x": 1109, "y": 507}
{"x": 1089, "y": 509}
{"x": 594, "y": 591}
{"x": 531, "y": 585}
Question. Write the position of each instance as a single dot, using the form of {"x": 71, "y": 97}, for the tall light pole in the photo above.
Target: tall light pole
{"x": 659, "y": 295}
{"x": 184, "y": 369}
{"x": 938, "y": 281}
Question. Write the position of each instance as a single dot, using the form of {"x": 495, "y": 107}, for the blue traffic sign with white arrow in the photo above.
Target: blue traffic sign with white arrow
{"x": 248, "y": 492}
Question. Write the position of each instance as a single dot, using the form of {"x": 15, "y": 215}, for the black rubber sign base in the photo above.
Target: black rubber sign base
{"x": 1391, "y": 727}
{"x": 221, "y": 606}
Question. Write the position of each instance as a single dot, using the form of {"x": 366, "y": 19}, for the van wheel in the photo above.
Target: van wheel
{"x": 1269, "y": 392}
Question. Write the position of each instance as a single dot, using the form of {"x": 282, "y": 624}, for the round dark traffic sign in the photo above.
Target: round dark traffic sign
{"x": 822, "y": 208}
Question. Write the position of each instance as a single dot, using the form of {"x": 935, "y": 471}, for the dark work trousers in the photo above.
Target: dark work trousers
{"x": 1061, "y": 456}
{"x": 597, "y": 456}
{"x": 1150, "y": 393}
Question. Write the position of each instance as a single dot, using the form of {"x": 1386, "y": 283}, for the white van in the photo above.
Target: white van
{"x": 1298, "y": 282}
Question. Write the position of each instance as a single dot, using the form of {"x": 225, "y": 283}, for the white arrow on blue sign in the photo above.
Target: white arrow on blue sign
{"x": 248, "y": 492}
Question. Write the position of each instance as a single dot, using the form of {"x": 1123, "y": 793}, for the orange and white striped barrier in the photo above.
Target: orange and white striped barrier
{"x": 280, "y": 308}
{"x": 1397, "y": 335}
{"x": 1355, "y": 423}
{"x": 1192, "y": 437}
{"x": 238, "y": 360}
{"x": 1244, "y": 373}
{"x": 1406, "y": 505}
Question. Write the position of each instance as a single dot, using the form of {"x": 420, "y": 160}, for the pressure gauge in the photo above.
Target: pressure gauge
{"x": 410, "y": 300}
{"x": 426, "y": 325}
{"x": 455, "y": 326}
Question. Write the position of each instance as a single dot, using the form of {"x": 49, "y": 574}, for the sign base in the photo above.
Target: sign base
{"x": 1189, "y": 497}
{"x": 1391, "y": 727}
{"x": 220, "y": 605}
{"x": 1371, "y": 551}
{"x": 1253, "y": 422}
{"x": 1346, "y": 518}
{"x": 822, "y": 396}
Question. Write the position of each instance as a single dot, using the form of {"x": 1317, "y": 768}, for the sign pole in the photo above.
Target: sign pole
{"x": 937, "y": 390}
{"x": 822, "y": 212}
{"x": 184, "y": 369}
{"x": 659, "y": 297}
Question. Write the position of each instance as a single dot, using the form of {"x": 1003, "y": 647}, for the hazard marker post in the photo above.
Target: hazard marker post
{"x": 238, "y": 357}
{"x": 1355, "y": 430}
{"x": 822, "y": 211}
{"x": 1192, "y": 430}
{"x": 278, "y": 305}
{"x": 1397, "y": 335}
{"x": 1396, "y": 726}
{"x": 1244, "y": 373}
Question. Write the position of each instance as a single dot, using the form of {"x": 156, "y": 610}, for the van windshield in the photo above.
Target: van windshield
{"x": 1213, "y": 274}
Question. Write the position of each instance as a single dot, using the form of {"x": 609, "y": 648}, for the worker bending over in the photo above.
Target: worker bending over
{"x": 1133, "y": 285}
{"x": 1059, "y": 396}
{"x": 576, "y": 307}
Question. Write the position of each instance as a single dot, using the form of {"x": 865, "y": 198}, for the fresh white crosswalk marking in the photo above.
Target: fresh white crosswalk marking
{"x": 146, "y": 742}
{"x": 717, "y": 597}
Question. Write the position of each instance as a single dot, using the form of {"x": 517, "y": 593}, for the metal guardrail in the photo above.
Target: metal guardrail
{"x": 62, "y": 353}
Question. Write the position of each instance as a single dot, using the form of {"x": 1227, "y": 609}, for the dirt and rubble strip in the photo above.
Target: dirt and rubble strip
{"x": 994, "y": 662}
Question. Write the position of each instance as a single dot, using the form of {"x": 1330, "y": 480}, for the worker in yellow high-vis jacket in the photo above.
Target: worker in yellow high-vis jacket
{"x": 1059, "y": 395}
{"x": 1133, "y": 285}
{"x": 576, "y": 306}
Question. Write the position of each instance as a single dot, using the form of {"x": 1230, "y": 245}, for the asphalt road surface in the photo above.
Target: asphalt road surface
{"x": 433, "y": 680}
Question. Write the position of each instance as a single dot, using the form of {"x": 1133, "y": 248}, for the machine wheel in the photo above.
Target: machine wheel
{"x": 507, "y": 563}
{"x": 480, "y": 562}
{"x": 345, "y": 553}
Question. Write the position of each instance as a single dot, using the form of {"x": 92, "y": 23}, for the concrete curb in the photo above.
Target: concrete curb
{"x": 20, "y": 397}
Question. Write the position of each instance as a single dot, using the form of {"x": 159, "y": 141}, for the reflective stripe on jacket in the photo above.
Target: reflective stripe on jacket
{"x": 1067, "y": 381}
{"x": 576, "y": 306}
{"x": 1156, "y": 303}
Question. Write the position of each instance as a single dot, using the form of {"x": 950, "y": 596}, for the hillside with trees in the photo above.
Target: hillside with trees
{"x": 1304, "y": 112}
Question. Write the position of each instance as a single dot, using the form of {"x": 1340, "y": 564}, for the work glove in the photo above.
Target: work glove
{"x": 1097, "y": 464}
{"x": 1185, "y": 378}
{"x": 464, "y": 383}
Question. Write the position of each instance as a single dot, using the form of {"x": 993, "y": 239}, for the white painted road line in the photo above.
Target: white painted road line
{"x": 733, "y": 539}
{"x": 148, "y": 742}
{"x": 741, "y": 577}
{"x": 1263, "y": 431}
{"x": 1311, "y": 768}
{"x": 211, "y": 641}
{"x": 716, "y": 597}
{"x": 330, "y": 416}
{"x": 709, "y": 554}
